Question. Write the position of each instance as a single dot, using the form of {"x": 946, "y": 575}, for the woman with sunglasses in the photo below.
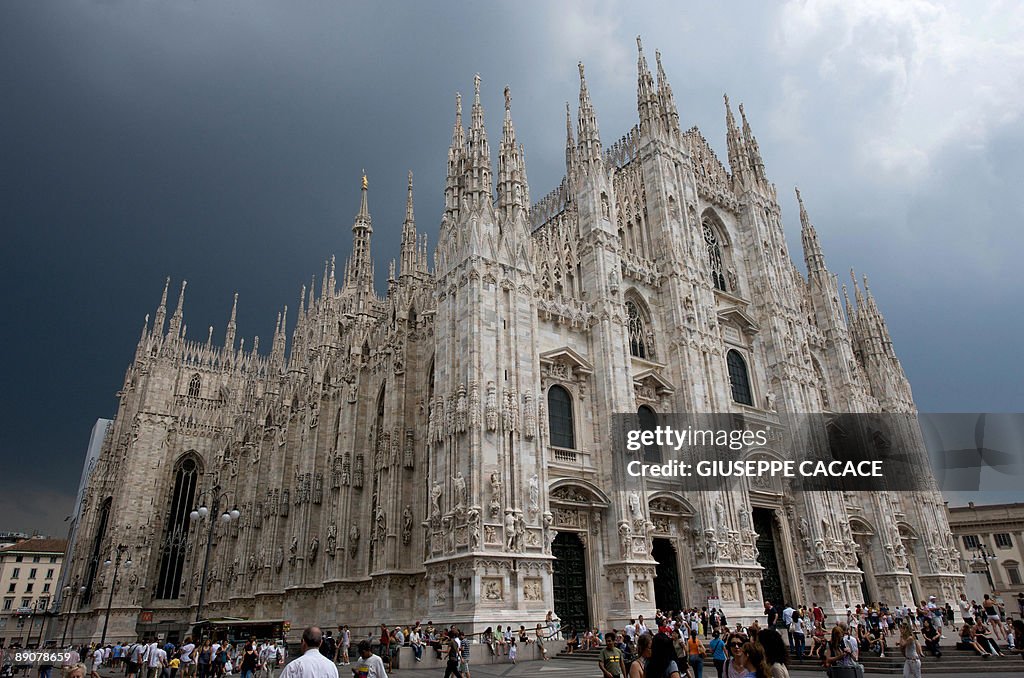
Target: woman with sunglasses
{"x": 733, "y": 668}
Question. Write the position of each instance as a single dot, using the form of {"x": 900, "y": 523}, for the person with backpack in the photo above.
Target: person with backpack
{"x": 328, "y": 647}
{"x": 717, "y": 648}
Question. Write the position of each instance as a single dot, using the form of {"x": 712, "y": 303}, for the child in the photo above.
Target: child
{"x": 173, "y": 666}
{"x": 512, "y": 650}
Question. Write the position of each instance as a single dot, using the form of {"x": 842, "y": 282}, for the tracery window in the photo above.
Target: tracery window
{"x": 739, "y": 379}
{"x": 175, "y": 542}
{"x": 195, "y": 386}
{"x": 641, "y": 342}
{"x": 97, "y": 544}
{"x": 560, "y": 418}
{"x": 714, "y": 256}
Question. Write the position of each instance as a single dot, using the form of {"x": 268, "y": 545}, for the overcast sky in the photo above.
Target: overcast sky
{"x": 222, "y": 142}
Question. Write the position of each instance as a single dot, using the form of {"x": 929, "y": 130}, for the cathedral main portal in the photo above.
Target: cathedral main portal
{"x": 767, "y": 556}
{"x": 570, "y": 581}
{"x": 666, "y": 584}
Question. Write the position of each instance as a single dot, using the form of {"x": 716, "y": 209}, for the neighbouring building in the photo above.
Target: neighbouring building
{"x": 29, "y": 584}
{"x": 991, "y": 542}
{"x": 442, "y": 451}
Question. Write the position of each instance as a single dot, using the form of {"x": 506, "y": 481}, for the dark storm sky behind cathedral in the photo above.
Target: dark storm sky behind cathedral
{"x": 222, "y": 143}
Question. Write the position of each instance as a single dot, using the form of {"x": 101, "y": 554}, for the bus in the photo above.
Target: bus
{"x": 234, "y": 630}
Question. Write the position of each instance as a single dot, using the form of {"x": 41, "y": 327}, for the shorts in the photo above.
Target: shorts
{"x": 994, "y": 618}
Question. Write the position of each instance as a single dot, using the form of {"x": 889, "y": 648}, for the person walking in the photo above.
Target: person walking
{"x": 610, "y": 659}
{"x": 695, "y": 655}
{"x": 311, "y": 664}
{"x": 911, "y": 650}
{"x": 250, "y": 659}
{"x": 454, "y": 656}
{"x": 717, "y": 648}
{"x": 368, "y": 665}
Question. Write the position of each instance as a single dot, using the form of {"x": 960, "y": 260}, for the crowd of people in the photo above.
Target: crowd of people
{"x": 687, "y": 639}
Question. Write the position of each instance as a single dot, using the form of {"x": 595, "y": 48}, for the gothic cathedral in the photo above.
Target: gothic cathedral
{"x": 442, "y": 452}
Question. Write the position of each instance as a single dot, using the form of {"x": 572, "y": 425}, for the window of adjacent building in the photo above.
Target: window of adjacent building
{"x": 28, "y": 588}
{"x": 1003, "y": 540}
{"x": 15, "y": 573}
{"x": 560, "y": 419}
{"x": 971, "y": 541}
{"x": 1013, "y": 575}
{"x": 44, "y": 602}
{"x": 739, "y": 379}
{"x": 18, "y": 559}
{"x": 32, "y": 573}
{"x": 8, "y": 603}
{"x": 46, "y": 588}
{"x": 35, "y": 559}
{"x": 10, "y": 588}
{"x": 49, "y": 573}
{"x": 25, "y": 602}
{"x": 53, "y": 559}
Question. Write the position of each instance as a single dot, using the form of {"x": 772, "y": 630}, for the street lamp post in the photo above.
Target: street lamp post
{"x": 31, "y": 623}
{"x": 74, "y": 592}
{"x": 120, "y": 550}
{"x": 226, "y": 517}
{"x": 986, "y": 555}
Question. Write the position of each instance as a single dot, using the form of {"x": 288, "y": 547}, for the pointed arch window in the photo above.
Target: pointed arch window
{"x": 739, "y": 378}
{"x": 560, "y": 418}
{"x": 97, "y": 545}
{"x": 648, "y": 421}
{"x": 641, "y": 339}
{"x": 195, "y": 386}
{"x": 175, "y": 541}
{"x": 714, "y": 254}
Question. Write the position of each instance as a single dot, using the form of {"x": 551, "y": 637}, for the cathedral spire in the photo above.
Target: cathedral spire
{"x": 477, "y": 172}
{"x": 753, "y": 150}
{"x": 646, "y": 98}
{"x": 589, "y": 138}
{"x": 456, "y": 156}
{"x": 669, "y": 114}
{"x": 510, "y": 166}
{"x": 813, "y": 256}
{"x": 570, "y": 145}
{"x": 734, "y": 142}
{"x": 229, "y": 336}
{"x": 161, "y": 310}
{"x": 409, "y": 238}
{"x": 175, "y": 325}
{"x": 359, "y": 270}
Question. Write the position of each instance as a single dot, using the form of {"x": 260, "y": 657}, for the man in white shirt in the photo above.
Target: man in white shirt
{"x": 787, "y": 619}
{"x": 188, "y": 666}
{"x": 156, "y": 660}
{"x": 369, "y": 665}
{"x": 311, "y": 664}
{"x": 641, "y": 628}
{"x": 630, "y": 630}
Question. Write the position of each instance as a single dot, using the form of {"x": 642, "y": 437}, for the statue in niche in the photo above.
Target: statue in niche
{"x": 407, "y": 524}
{"x": 435, "y": 499}
{"x": 459, "y": 484}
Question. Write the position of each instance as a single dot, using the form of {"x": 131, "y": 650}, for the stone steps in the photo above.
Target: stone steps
{"x": 953, "y": 661}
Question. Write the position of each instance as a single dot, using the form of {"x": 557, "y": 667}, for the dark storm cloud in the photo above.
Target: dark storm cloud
{"x": 223, "y": 143}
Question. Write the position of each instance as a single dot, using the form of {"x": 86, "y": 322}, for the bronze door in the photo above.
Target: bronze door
{"x": 570, "y": 581}
{"x": 666, "y": 584}
{"x": 771, "y": 584}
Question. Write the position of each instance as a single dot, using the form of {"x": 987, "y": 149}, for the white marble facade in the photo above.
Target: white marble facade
{"x": 397, "y": 462}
